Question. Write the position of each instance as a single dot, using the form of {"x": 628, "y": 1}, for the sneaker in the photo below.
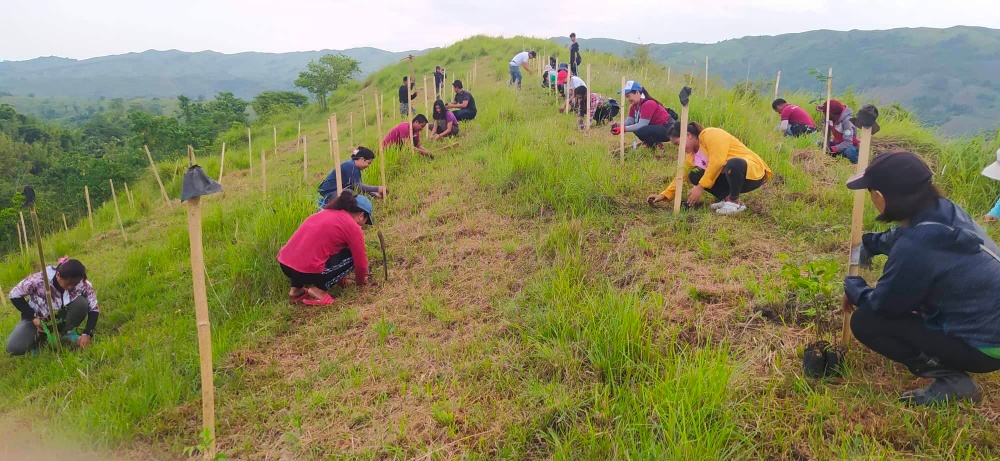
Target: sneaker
{"x": 731, "y": 208}
{"x": 717, "y": 205}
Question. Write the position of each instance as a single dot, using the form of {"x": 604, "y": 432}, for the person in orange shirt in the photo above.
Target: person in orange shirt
{"x": 718, "y": 163}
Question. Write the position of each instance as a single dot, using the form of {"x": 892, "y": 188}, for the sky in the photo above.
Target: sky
{"x": 89, "y": 28}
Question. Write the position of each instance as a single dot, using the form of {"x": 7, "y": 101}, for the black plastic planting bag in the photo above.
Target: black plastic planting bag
{"x": 867, "y": 118}
{"x": 197, "y": 183}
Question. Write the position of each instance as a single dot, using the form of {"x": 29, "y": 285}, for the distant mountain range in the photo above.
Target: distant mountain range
{"x": 949, "y": 77}
{"x": 170, "y": 73}
{"x": 945, "y": 75}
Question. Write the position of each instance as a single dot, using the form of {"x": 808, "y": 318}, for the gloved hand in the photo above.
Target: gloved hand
{"x": 616, "y": 130}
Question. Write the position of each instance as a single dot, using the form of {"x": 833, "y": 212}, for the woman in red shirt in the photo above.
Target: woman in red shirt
{"x": 647, "y": 118}
{"x": 325, "y": 248}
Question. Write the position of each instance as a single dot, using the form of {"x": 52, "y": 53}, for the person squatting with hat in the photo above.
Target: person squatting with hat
{"x": 325, "y": 248}
{"x": 843, "y": 135}
{"x": 936, "y": 307}
{"x": 350, "y": 175}
{"x": 647, "y": 118}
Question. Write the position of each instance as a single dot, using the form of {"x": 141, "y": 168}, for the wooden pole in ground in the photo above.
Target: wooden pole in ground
{"x": 128, "y": 195}
{"x": 30, "y": 202}
{"x": 118, "y": 214}
{"x": 90, "y": 214}
{"x": 857, "y": 229}
{"x": 298, "y": 137}
{"x": 381, "y": 153}
{"x": 250, "y": 150}
{"x": 275, "y": 127}
{"x": 681, "y": 154}
{"x": 336, "y": 168}
{"x": 427, "y": 107}
{"x": 20, "y": 239}
{"x": 65, "y": 224}
{"x": 222, "y": 162}
{"x": 706, "y": 76}
{"x": 826, "y": 120}
{"x": 555, "y": 89}
{"x": 305, "y": 159}
{"x": 336, "y": 138}
{"x": 201, "y": 317}
{"x": 177, "y": 164}
{"x": 668, "y": 75}
{"x": 777, "y": 83}
{"x": 748, "y": 76}
{"x": 329, "y": 135}
{"x": 263, "y": 171}
{"x": 587, "y": 116}
{"x": 156, "y": 173}
{"x": 24, "y": 231}
{"x": 364, "y": 111}
{"x": 621, "y": 133}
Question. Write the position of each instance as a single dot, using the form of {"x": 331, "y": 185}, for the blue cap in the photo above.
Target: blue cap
{"x": 366, "y": 205}
{"x": 563, "y": 65}
{"x": 631, "y": 86}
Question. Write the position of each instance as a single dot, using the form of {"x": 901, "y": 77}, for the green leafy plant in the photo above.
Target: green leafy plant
{"x": 202, "y": 447}
{"x": 813, "y": 287}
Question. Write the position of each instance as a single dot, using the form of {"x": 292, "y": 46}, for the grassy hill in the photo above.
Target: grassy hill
{"x": 947, "y": 76}
{"x": 170, "y": 73}
{"x": 537, "y": 308}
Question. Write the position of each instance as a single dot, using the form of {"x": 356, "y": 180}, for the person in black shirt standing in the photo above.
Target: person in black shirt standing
{"x": 464, "y": 102}
{"x": 574, "y": 54}
{"x": 404, "y": 102}
{"x": 438, "y": 81}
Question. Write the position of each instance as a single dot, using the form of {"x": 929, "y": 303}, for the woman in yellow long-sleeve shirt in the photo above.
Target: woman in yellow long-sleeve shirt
{"x": 718, "y": 163}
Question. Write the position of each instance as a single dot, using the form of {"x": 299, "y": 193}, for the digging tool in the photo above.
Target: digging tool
{"x": 685, "y": 96}
{"x": 867, "y": 117}
{"x": 29, "y": 203}
{"x": 385, "y": 261}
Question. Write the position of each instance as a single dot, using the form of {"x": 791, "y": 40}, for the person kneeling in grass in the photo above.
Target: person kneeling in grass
{"x": 325, "y": 248}
{"x": 401, "y": 132}
{"x": 445, "y": 123}
{"x": 843, "y": 137}
{"x": 73, "y": 299}
{"x": 718, "y": 163}
{"x": 795, "y": 121}
{"x": 350, "y": 174}
{"x": 993, "y": 172}
{"x": 647, "y": 118}
{"x": 601, "y": 108}
{"x": 936, "y": 307}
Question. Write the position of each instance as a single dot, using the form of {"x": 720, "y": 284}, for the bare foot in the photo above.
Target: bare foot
{"x": 315, "y": 292}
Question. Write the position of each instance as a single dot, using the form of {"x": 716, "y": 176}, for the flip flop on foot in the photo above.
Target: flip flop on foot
{"x": 326, "y": 301}
{"x": 296, "y": 299}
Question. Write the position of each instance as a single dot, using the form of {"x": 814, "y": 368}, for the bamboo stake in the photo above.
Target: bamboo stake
{"x": 263, "y": 171}
{"x": 826, "y": 121}
{"x": 177, "y": 165}
{"x": 857, "y": 227}
{"x": 381, "y": 152}
{"x": 621, "y": 133}
{"x": 329, "y": 135}
{"x": 201, "y": 316}
{"x": 250, "y": 150}
{"x": 777, "y": 82}
{"x": 336, "y": 138}
{"x": 65, "y": 226}
{"x": 668, "y": 75}
{"x": 90, "y": 214}
{"x": 336, "y": 167}
{"x": 156, "y": 173}
{"x": 364, "y": 111}
{"x": 427, "y": 107}
{"x": 222, "y": 162}
{"x": 681, "y": 154}
{"x": 298, "y": 137}
{"x": 114, "y": 196}
{"x": 706, "y": 76}
{"x": 587, "y": 116}
{"x": 3, "y": 299}
{"x": 275, "y": 127}
{"x": 20, "y": 238}
{"x": 748, "y": 76}
{"x": 41, "y": 262}
{"x": 305, "y": 159}
{"x": 24, "y": 232}
{"x": 128, "y": 195}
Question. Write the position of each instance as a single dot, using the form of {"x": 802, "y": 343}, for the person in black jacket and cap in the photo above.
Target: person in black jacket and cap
{"x": 936, "y": 308}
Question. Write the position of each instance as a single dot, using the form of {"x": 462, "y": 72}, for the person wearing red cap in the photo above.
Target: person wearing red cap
{"x": 936, "y": 307}
{"x": 844, "y": 140}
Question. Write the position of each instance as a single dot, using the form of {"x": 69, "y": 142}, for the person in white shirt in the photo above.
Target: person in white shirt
{"x": 517, "y": 62}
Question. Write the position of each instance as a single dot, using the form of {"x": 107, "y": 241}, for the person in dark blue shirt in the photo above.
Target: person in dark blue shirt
{"x": 936, "y": 308}
{"x": 350, "y": 174}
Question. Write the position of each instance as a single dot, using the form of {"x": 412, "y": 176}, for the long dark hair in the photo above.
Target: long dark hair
{"x": 648, "y": 96}
{"x": 439, "y": 104}
{"x": 900, "y": 206}
{"x": 581, "y": 106}
{"x": 71, "y": 269}
{"x": 346, "y": 202}
{"x": 674, "y": 130}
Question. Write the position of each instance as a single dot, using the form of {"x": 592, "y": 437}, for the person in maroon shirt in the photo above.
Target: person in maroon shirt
{"x": 325, "y": 248}
{"x": 647, "y": 118}
{"x": 795, "y": 121}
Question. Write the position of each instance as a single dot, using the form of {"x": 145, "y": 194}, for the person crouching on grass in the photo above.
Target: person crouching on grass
{"x": 401, "y": 132}
{"x": 936, "y": 307}
{"x": 73, "y": 300}
{"x": 445, "y": 123}
{"x": 602, "y": 109}
{"x": 325, "y": 248}
{"x": 647, "y": 118}
{"x": 718, "y": 163}
{"x": 350, "y": 174}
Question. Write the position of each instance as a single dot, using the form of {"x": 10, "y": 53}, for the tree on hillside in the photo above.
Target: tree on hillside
{"x": 324, "y": 77}
{"x": 271, "y": 102}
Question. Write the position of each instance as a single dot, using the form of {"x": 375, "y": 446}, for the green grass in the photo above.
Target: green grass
{"x": 537, "y": 307}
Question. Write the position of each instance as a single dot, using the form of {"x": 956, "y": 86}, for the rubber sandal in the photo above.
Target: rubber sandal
{"x": 297, "y": 299}
{"x": 326, "y": 301}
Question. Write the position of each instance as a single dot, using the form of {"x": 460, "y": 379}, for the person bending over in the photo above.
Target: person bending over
{"x": 350, "y": 175}
{"x": 398, "y": 135}
{"x": 718, "y": 163}
{"x": 843, "y": 135}
{"x": 73, "y": 300}
{"x": 795, "y": 121}
{"x": 518, "y": 62}
{"x": 936, "y": 307}
{"x": 325, "y": 248}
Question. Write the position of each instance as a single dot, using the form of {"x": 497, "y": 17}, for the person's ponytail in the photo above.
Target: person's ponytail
{"x": 345, "y": 201}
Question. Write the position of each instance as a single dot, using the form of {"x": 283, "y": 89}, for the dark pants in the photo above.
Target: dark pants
{"x": 572, "y": 68}
{"x": 652, "y": 135}
{"x": 337, "y": 267}
{"x": 798, "y": 129}
{"x": 733, "y": 178}
{"x": 562, "y": 89}
{"x": 545, "y": 80}
{"x": 464, "y": 114}
{"x": 438, "y": 127}
{"x": 904, "y": 338}
{"x": 25, "y": 337}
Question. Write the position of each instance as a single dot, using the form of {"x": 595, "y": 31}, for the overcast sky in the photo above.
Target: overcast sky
{"x": 88, "y": 28}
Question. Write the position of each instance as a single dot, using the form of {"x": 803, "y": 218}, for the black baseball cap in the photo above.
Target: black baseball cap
{"x": 893, "y": 173}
